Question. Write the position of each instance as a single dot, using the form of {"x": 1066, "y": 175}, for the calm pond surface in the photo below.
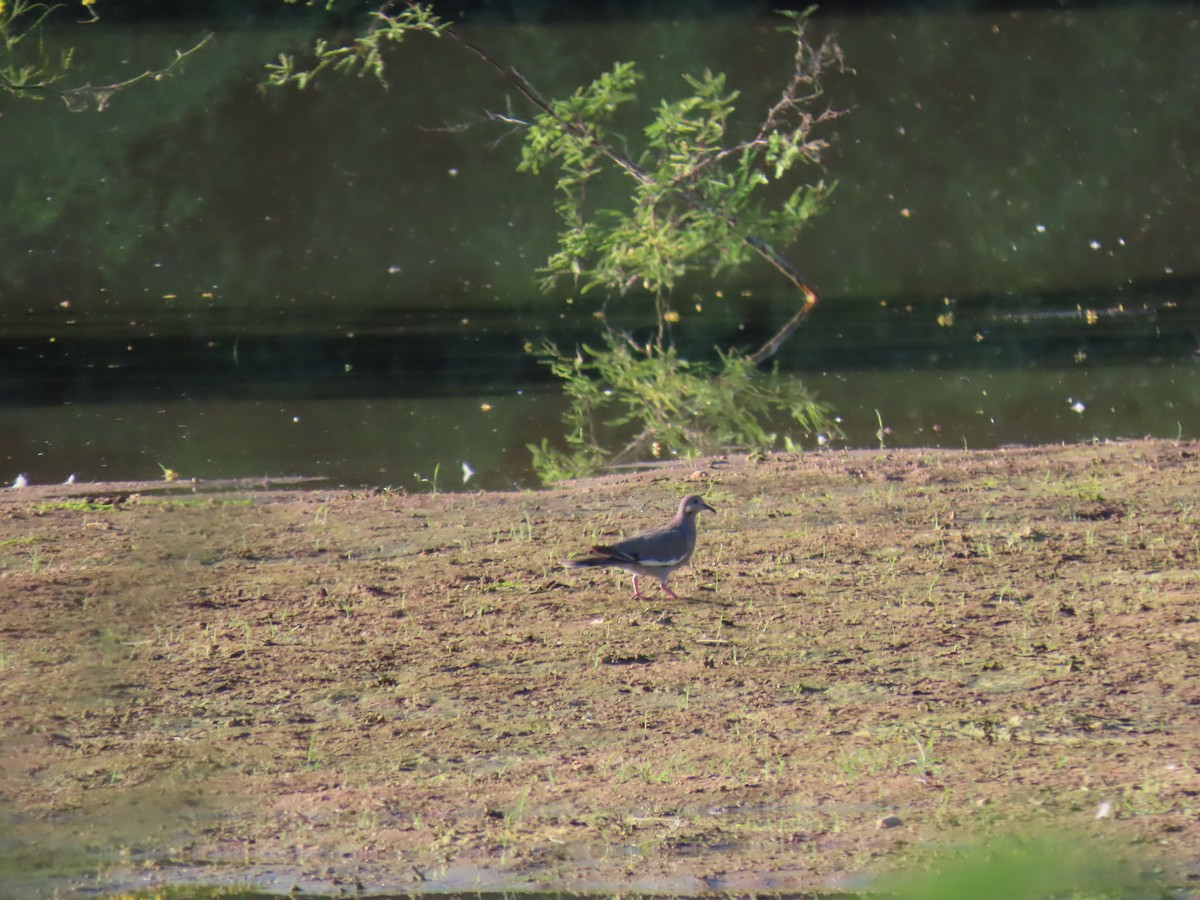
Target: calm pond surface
{"x": 339, "y": 282}
{"x": 303, "y": 408}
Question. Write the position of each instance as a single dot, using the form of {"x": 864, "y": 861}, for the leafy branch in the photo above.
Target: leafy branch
{"x": 363, "y": 55}
{"x": 657, "y": 244}
{"x": 666, "y": 403}
{"x": 29, "y": 69}
{"x": 570, "y": 133}
{"x": 698, "y": 199}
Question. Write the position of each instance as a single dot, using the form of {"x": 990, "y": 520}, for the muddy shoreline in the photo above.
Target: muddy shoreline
{"x": 874, "y": 654}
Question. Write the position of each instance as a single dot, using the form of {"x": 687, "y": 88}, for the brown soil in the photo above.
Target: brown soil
{"x": 407, "y": 691}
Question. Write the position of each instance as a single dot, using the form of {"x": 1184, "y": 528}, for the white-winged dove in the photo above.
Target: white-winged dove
{"x": 657, "y": 553}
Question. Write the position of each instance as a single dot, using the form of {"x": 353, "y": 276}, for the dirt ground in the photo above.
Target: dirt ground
{"x": 873, "y": 654}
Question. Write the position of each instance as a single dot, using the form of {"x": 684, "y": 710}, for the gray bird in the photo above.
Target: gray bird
{"x": 657, "y": 553}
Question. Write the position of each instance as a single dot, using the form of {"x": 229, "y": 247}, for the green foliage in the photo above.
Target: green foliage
{"x": 661, "y": 403}
{"x": 1030, "y": 867}
{"x": 700, "y": 199}
{"x": 363, "y": 55}
{"x": 30, "y": 69}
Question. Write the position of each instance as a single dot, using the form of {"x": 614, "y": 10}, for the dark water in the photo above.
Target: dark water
{"x": 373, "y": 409}
{"x": 339, "y": 282}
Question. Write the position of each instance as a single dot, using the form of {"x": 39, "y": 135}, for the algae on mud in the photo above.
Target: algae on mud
{"x": 405, "y": 691}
